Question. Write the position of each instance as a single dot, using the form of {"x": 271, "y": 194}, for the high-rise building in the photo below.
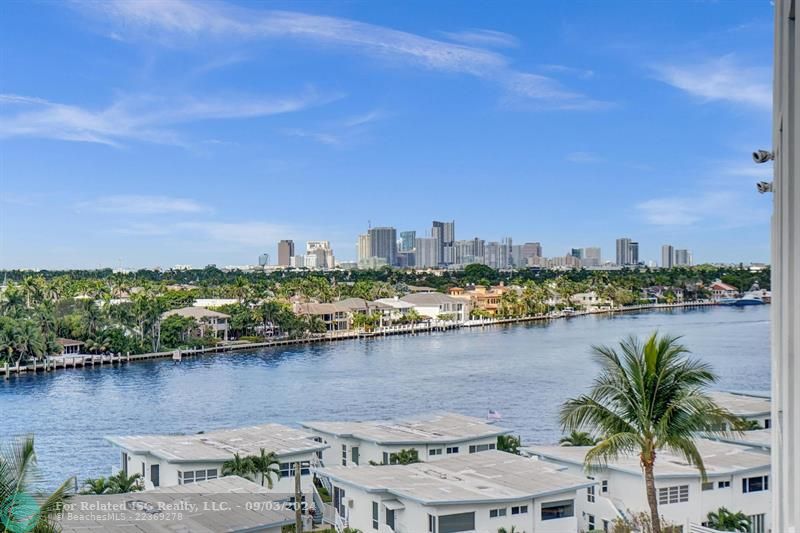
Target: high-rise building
{"x": 529, "y": 250}
{"x": 427, "y": 252}
{"x": 446, "y": 233}
{"x": 576, "y": 253}
{"x": 592, "y": 256}
{"x": 363, "y": 246}
{"x": 285, "y": 252}
{"x": 322, "y": 252}
{"x": 383, "y": 243}
{"x": 468, "y": 252}
{"x": 683, "y": 258}
{"x": 667, "y": 256}
{"x": 627, "y": 252}
{"x": 516, "y": 256}
{"x": 407, "y": 239}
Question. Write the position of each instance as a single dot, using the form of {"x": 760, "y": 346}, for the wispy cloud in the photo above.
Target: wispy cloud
{"x": 720, "y": 79}
{"x": 134, "y": 204}
{"x": 142, "y": 118}
{"x": 583, "y": 157}
{"x": 570, "y": 71}
{"x": 341, "y": 132}
{"x": 190, "y": 21}
{"x": 481, "y": 37}
{"x": 723, "y": 209}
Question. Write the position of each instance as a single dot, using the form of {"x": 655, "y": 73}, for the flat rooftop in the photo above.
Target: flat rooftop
{"x": 437, "y": 428}
{"x": 484, "y": 477}
{"x": 758, "y": 438}
{"x": 226, "y": 504}
{"x": 719, "y": 458}
{"x": 220, "y": 445}
{"x": 741, "y": 404}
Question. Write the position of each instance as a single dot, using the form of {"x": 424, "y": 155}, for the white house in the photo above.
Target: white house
{"x": 738, "y": 479}
{"x": 207, "y": 319}
{"x": 589, "y": 300}
{"x": 720, "y": 290}
{"x": 757, "y": 439}
{"x": 399, "y": 307}
{"x": 748, "y": 406}
{"x": 169, "y": 460}
{"x": 435, "y": 304}
{"x": 433, "y": 436}
{"x": 230, "y": 503}
{"x": 481, "y": 492}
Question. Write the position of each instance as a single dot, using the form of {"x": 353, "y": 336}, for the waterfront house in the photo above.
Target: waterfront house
{"x": 436, "y": 304}
{"x": 745, "y": 405}
{"x": 207, "y": 320}
{"x": 399, "y": 308}
{"x": 70, "y": 346}
{"x": 334, "y": 316}
{"x": 230, "y": 503}
{"x": 354, "y": 306}
{"x": 481, "y": 297}
{"x": 589, "y": 301}
{"x": 432, "y": 436}
{"x": 721, "y": 291}
{"x": 738, "y": 479}
{"x": 168, "y": 460}
{"x": 478, "y": 492}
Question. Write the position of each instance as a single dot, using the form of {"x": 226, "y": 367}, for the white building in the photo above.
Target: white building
{"x": 207, "y": 320}
{"x": 746, "y": 406}
{"x": 399, "y": 307}
{"x": 589, "y": 300}
{"x": 481, "y": 492}
{"x": 738, "y": 479}
{"x": 434, "y": 437}
{"x": 231, "y": 502}
{"x": 435, "y": 304}
{"x": 168, "y": 460}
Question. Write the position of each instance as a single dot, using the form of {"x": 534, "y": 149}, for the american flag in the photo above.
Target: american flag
{"x": 493, "y": 415}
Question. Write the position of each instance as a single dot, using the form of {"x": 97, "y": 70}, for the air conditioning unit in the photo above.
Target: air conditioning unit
{"x": 349, "y": 502}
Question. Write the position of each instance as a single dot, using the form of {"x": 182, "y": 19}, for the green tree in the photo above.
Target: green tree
{"x": 648, "y": 397}
{"x": 266, "y": 465}
{"x": 27, "y": 340}
{"x": 578, "y": 438}
{"x": 239, "y": 466}
{"x": 406, "y": 456}
{"x": 121, "y": 483}
{"x": 725, "y": 520}
{"x": 99, "y": 485}
{"x": 19, "y": 479}
{"x": 509, "y": 443}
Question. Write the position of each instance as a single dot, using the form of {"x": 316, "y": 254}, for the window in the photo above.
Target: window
{"x": 494, "y": 513}
{"x": 154, "y": 475}
{"x": 390, "y": 518}
{"x": 604, "y": 486}
{"x": 344, "y": 454}
{"x": 354, "y": 455}
{"x": 590, "y": 522}
{"x": 386, "y": 458}
{"x": 480, "y": 447}
{"x": 755, "y": 484}
{"x": 454, "y": 523}
{"x": 757, "y": 523}
{"x": 431, "y": 524}
{"x": 435, "y": 451}
{"x": 590, "y": 494}
{"x": 193, "y": 476}
{"x": 723, "y": 484}
{"x": 375, "y": 518}
{"x": 520, "y": 509}
{"x": 605, "y": 526}
{"x": 452, "y": 449}
{"x": 767, "y": 424}
{"x": 125, "y": 463}
{"x": 559, "y": 509}
{"x": 707, "y": 486}
{"x": 287, "y": 469}
{"x": 675, "y": 494}
{"x": 143, "y": 469}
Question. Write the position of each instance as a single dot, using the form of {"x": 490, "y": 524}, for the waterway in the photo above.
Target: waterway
{"x": 523, "y": 371}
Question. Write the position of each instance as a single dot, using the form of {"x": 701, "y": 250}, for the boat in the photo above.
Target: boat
{"x": 747, "y": 299}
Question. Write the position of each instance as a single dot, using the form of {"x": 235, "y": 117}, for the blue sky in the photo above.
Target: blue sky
{"x": 153, "y": 133}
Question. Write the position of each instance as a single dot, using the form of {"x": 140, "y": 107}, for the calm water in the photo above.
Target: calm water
{"x": 523, "y": 371}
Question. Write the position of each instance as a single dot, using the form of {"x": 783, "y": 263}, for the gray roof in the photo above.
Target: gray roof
{"x": 200, "y": 506}
{"x": 196, "y": 312}
{"x": 719, "y": 458}
{"x": 742, "y": 404}
{"x": 758, "y": 438}
{"x": 396, "y": 303}
{"x": 484, "y": 477}
{"x": 436, "y": 428}
{"x": 360, "y": 304}
{"x": 431, "y": 298}
{"x": 216, "y": 446}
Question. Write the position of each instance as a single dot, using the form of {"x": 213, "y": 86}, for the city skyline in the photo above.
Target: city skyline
{"x": 129, "y": 141}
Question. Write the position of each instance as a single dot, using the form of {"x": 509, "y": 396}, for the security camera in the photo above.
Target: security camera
{"x": 764, "y": 186}
{"x": 762, "y": 156}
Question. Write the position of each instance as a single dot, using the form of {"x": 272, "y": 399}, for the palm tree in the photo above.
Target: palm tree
{"x": 578, "y": 438}
{"x": 509, "y": 443}
{"x": 239, "y": 466}
{"x": 25, "y": 508}
{"x": 28, "y": 340}
{"x": 724, "y": 520}
{"x": 99, "y": 485}
{"x": 121, "y": 483}
{"x": 266, "y": 464}
{"x": 513, "y": 529}
{"x": 647, "y": 398}
{"x": 405, "y": 456}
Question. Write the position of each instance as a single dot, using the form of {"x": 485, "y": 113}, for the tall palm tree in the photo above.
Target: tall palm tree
{"x": 725, "y": 520}
{"x": 28, "y": 340}
{"x": 648, "y": 397}
{"x": 578, "y": 438}
{"x": 239, "y": 466}
{"x": 25, "y": 508}
{"x": 268, "y": 465}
